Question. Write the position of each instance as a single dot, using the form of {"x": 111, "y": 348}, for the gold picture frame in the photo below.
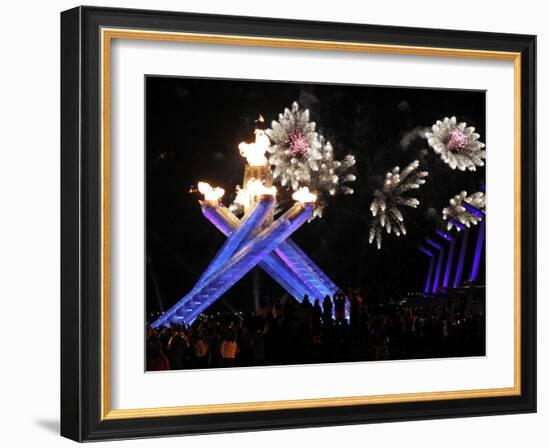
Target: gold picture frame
{"x": 108, "y": 30}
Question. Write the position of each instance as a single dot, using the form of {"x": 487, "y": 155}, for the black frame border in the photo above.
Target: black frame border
{"x": 81, "y": 223}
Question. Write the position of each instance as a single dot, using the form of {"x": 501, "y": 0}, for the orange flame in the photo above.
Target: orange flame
{"x": 253, "y": 189}
{"x": 210, "y": 194}
{"x": 255, "y": 152}
{"x": 304, "y": 196}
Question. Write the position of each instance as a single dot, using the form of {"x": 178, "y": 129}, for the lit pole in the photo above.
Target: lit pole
{"x": 462, "y": 252}
{"x": 430, "y": 269}
{"x": 479, "y": 240}
{"x": 450, "y": 255}
{"x": 441, "y": 253}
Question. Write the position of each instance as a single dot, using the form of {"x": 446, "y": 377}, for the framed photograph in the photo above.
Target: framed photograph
{"x": 275, "y": 224}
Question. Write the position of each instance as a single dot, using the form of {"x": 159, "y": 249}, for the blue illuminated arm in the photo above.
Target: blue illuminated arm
{"x": 226, "y": 221}
{"x": 241, "y": 262}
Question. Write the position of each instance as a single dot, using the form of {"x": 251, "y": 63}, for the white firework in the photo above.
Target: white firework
{"x": 387, "y": 202}
{"x": 456, "y": 212}
{"x": 457, "y": 144}
{"x": 303, "y": 158}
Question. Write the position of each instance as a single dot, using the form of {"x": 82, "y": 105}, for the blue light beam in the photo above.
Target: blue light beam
{"x": 477, "y": 254}
{"x": 430, "y": 269}
{"x": 449, "y": 265}
{"x": 437, "y": 275}
{"x": 461, "y": 256}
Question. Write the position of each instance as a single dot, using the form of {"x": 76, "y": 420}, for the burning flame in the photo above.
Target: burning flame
{"x": 255, "y": 152}
{"x": 253, "y": 189}
{"x": 304, "y": 196}
{"x": 210, "y": 194}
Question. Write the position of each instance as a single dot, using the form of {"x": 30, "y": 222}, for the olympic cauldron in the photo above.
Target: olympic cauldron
{"x": 256, "y": 239}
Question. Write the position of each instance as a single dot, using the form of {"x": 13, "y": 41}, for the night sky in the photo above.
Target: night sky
{"x": 193, "y": 128}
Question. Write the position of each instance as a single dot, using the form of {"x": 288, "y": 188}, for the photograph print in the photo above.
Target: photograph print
{"x": 303, "y": 223}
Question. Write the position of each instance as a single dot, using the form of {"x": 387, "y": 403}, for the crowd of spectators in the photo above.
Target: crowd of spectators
{"x": 287, "y": 332}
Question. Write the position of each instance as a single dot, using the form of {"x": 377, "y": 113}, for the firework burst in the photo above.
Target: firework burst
{"x": 456, "y": 214}
{"x": 301, "y": 157}
{"x": 387, "y": 202}
{"x": 457, "y": 144}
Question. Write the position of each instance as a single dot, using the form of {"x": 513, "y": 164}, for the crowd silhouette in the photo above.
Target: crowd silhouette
{"x": 338, "y": 330}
